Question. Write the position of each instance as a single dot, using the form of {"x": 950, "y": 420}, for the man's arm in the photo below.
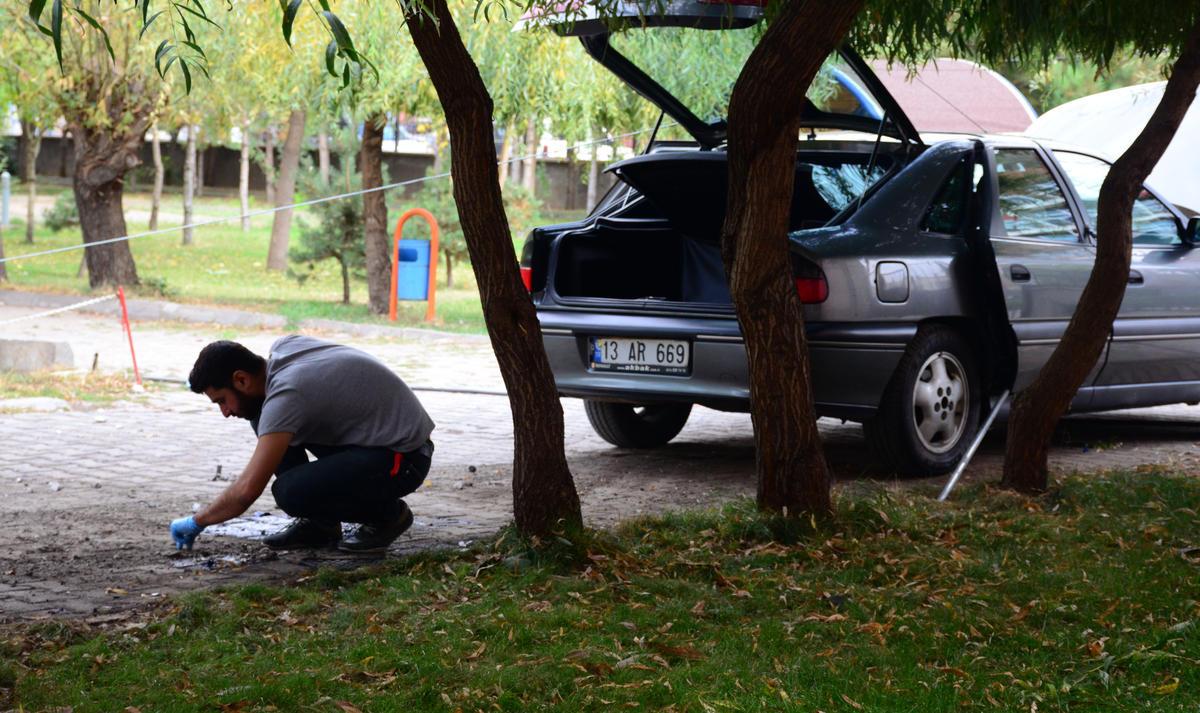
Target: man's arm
{"x": 241, "y": 493}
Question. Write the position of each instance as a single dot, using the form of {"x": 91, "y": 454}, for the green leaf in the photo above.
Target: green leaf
{"x": 289, "y": 17}
{"x": 339, "y": 32}
{"x": 346, "y": 76}
{"x": 56, "y": 30}
{"x": 35, "y": 10}
{"x": 164, "y": 48}
{"x": 147, "y": 25}
{"x": 148, "y": 22}
{"x": 187, "y": 76}
{"x": 202, "y": 16}
{"x": 187, "y": 30}
{"x": 324, "y": 5}
{"x": 197, "y": 48}
{"x": 331, "y": 52}
{"x": 91, "y": 21}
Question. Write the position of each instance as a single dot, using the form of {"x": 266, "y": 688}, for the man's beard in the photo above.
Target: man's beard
{"x": 249, "y": 407}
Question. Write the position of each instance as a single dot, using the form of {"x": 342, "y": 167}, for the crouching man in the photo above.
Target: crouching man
{"x": 367, "y": 430}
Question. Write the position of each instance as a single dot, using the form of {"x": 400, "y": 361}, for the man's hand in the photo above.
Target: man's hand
{"x": 184, "y": 531}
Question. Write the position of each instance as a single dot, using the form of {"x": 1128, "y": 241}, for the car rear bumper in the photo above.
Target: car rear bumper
{"x": 852, "y": 362}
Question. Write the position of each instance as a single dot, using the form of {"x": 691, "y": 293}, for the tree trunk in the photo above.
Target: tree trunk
{"x": 375, "y": 216}
{"x": 244, "y": 176}
{"x": 101, "y": 162}
{"x": 189, "y": 184}
{"x": 449, "y": 270}
{"x": 1037, "y": 409}
{"x": 544, "y": 496}
{"x": 323, "y": 156}
{"x": 31, "y": 145}
{"x": 269, "y": 164}
{"x": 506, "y": 151}
{"x": 156, "y": 196}
{"x": 529, "y": 171}
{"x": 345, "y": 280}
{"x": 201, "y": 151}
{"x": 62, "y": 157}
{"x": 285, "y": 192}
{"x": 593, "y": 175}
{"x": 764, "y": 122}
{"x": 573, "y": 176}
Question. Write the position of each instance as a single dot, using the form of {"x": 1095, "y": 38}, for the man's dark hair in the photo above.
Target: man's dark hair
{"x": 215, "y": 366}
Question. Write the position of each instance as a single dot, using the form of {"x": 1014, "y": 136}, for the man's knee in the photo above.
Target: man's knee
{"x": 287, "y": 496}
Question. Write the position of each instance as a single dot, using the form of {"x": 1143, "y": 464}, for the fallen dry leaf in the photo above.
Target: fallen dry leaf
{"x": 682, "y": 652}
{"x": 1167, "y": 688}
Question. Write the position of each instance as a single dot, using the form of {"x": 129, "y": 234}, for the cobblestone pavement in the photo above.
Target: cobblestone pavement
{"x": 85, "y": 494}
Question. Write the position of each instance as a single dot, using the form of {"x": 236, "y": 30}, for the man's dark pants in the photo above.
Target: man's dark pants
{"x": 348, "y": 483}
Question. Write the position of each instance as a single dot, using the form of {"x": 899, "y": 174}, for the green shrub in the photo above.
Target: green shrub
{"x": 338, "y": 232}
{"x": 63, "y": 214}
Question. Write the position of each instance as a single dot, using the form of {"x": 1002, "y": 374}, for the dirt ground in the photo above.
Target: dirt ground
{"x": 86, "y": 493}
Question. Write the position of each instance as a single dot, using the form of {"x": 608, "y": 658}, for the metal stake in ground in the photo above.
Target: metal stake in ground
{"x": 129, "y": 332}
{"x": 974, "y": 446}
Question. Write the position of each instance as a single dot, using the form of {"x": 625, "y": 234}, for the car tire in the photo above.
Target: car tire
{"x": 929, "y": 412}
{"x": 629, "y": 426}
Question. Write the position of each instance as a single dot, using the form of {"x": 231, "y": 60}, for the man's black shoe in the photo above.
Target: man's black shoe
{"x": 375, "y": 537}
{"x": 304, "y": 533}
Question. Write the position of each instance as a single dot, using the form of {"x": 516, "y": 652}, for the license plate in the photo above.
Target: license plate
{"x": 648, "y": 356}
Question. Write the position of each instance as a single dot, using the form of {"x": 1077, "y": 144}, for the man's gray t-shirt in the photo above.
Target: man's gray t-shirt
{"x": 333, "y": 395}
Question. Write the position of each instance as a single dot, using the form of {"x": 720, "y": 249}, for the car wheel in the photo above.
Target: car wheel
{"x": 930, "y": 410}
{"x": 630, "y": 426}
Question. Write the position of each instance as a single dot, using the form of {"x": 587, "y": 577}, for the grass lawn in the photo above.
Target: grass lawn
{"x": 1084, "y": 600}
{"x": 96, "y": 388}
{"x": 227, "y": 266}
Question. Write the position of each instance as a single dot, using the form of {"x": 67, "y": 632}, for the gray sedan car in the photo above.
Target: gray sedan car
{"x": 934, "y": 273}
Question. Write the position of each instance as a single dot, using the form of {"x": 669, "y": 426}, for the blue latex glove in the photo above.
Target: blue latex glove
{"x": 184, "y": 531}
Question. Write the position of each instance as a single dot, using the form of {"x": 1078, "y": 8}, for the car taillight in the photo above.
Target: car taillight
{"x": 527, "y": 278}
{"x": 812, "y": 290}
{"x": 810, "y": 281}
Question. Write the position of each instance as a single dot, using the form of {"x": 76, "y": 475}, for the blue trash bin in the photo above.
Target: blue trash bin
{"x": 412, "y": 270}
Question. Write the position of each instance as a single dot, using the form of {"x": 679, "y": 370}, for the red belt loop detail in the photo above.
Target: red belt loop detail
{"x": 396, "y": 463}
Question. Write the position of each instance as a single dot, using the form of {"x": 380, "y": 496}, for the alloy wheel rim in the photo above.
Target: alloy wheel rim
{"x": 941, "y": 400}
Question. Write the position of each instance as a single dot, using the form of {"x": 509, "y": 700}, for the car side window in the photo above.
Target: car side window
{"x": 1031, "y": 202}
{"x": 949, "y": 207}
{"x": 1153, "y": 223}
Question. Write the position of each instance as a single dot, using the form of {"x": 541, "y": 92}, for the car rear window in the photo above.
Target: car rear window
{"x": 841, "y": 184}
{"x": 949, "y": 207}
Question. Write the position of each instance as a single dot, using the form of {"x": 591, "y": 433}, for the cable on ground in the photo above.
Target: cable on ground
{"x": 68, "y": 308}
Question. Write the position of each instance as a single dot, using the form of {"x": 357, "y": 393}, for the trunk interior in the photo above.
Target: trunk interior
{"x": 658, "y": 264}
{"x": 669, "y": 252}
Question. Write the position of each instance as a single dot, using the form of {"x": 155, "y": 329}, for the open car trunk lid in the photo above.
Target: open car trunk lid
{"x": 872, "y": 109}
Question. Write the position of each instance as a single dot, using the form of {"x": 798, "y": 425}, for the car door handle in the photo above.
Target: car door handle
{"x": 1135, "y": 277}
{"x": 1019, "y": 273}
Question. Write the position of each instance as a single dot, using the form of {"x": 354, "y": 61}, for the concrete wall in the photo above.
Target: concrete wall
{"x": 560, "y": 184}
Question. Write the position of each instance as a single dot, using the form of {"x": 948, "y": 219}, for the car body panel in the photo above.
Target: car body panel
{"x": 859, "y": 332}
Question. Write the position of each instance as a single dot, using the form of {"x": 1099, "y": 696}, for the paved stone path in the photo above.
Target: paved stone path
{"x": 85, "y": 495}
